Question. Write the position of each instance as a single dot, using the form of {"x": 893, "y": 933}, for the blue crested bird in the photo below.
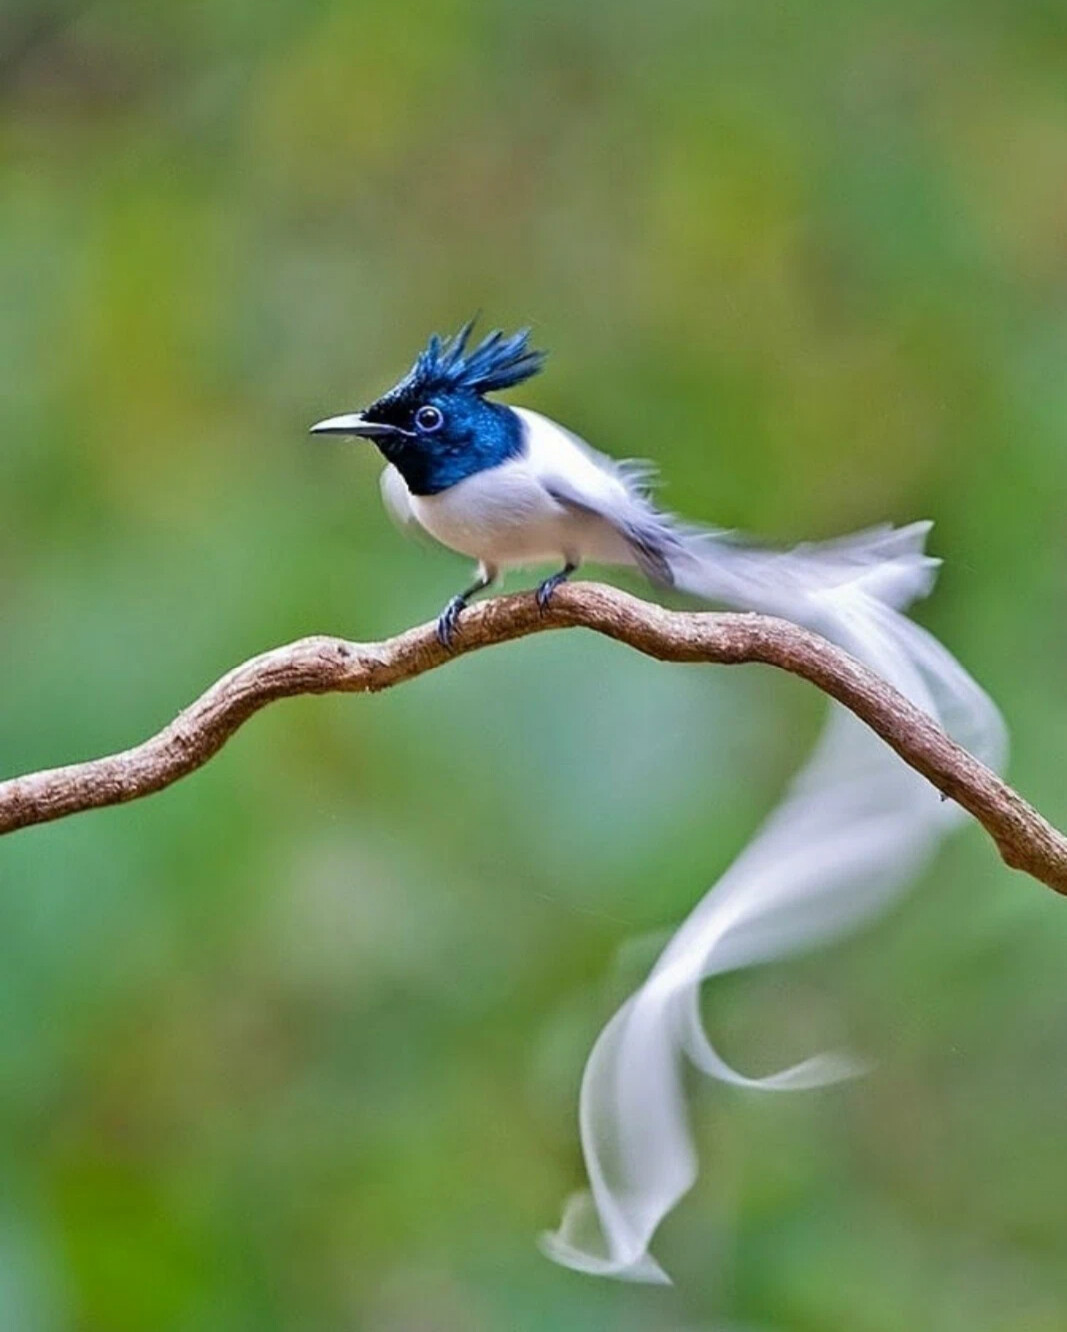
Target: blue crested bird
{"x": 506, "y": 487}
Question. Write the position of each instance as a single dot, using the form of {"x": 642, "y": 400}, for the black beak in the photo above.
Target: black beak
{"x": 354, "y": 424}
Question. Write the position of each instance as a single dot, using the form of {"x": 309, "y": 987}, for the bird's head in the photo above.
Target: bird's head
{"x": 436, "y": 425}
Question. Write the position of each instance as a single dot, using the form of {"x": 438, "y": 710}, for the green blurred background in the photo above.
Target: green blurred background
{"x": 296, "y": 1044}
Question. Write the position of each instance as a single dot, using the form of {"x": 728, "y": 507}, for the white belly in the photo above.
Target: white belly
{"x": 502, "y": 516}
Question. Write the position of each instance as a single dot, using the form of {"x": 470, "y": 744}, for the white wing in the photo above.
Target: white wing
{"x": 619, "y": 523}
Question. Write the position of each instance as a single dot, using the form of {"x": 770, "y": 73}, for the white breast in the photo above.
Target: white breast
{"x": 507, "y": 516}
{"x": 503, "y": 516}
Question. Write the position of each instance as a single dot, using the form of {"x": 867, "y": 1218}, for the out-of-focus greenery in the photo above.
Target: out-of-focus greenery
{"x": 296, "y": 1044}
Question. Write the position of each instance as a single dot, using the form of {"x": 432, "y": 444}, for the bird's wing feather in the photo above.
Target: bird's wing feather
{"x": 597, "y": 486}
{"x": 648, "y": 539}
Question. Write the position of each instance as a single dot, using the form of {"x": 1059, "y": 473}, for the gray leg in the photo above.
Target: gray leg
{"x": 544, "y": 592}
{"x": 448, "y": 620}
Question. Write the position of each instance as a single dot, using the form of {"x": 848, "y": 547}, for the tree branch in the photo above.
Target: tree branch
{"x": 323, "y": 665}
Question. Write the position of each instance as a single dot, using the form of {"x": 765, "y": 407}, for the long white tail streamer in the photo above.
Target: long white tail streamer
{"x": 855, "y": 827}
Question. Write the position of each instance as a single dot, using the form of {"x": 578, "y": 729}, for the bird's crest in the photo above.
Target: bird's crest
{"x": 445, "y": 364}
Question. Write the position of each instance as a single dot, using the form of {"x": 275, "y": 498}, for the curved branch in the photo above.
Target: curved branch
{"x": 323, "y": 665}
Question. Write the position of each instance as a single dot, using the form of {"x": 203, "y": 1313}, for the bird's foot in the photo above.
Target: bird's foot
{"x": 544, "y": 592}
{"x": 448, "y": 620}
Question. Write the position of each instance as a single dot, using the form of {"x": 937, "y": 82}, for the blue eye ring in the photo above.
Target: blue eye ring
{"x": 429, "y": 418}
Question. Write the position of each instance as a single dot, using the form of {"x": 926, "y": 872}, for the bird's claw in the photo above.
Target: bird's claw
{"x": 448, "y": 621}
{"x": 544, "y": 592}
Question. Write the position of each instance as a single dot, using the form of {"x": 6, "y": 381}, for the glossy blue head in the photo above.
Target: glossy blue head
{"x": 436, "y": 425}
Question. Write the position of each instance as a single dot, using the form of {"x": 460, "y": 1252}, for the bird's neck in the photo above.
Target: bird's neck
{"x": 483, "y": 436}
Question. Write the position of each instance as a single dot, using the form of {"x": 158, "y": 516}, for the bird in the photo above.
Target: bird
{"x": 508, "y": 487}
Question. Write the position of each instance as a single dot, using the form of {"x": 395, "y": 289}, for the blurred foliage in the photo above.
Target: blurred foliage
{"x": 296, "y": 1045}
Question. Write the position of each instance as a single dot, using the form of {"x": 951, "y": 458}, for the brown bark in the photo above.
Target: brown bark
{"x": 321, "y": 665}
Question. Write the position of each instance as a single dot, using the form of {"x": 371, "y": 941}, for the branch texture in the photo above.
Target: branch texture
{"x": 321, "y": 665}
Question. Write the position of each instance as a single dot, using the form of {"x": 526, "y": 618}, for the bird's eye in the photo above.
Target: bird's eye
{"x": 429, "y": 419}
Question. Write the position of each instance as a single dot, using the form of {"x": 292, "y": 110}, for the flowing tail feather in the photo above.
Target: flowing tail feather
{"x": 855, "y": 827}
